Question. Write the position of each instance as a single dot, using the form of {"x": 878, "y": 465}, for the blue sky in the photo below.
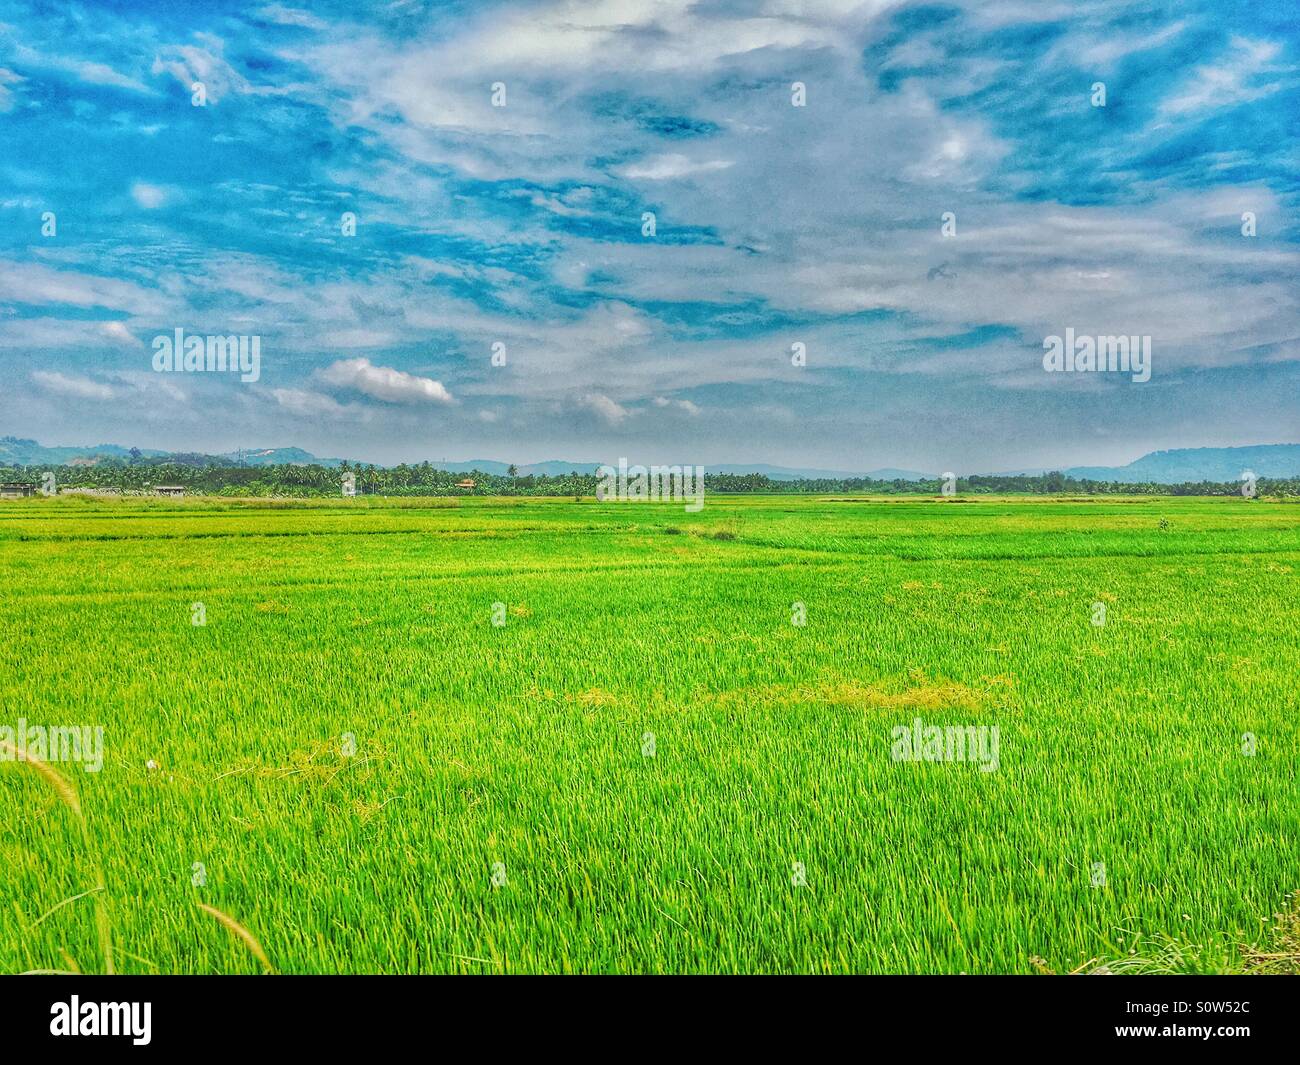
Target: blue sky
{"x": 521, "y": 225}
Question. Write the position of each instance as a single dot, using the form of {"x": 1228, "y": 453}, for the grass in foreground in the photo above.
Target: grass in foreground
{"x": 649, "y": 767}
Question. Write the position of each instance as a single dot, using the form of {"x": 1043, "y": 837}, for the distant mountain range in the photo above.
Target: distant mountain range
{"x": 1200, "y": 464}
{"x": 277, "y": 456}
{"x": 1177, "y": 466}
{"x": 16, "y": 452}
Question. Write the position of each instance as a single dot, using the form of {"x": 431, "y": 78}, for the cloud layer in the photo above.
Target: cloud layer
{"x": 587, "y": 229}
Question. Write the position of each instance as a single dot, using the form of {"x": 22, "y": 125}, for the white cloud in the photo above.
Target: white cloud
{"x": 1225, "y": 83}
{"x": 190, "y": 63}
{"x": 75, "y": 386}
{"x": 384, "y": 382}
{"x": 102, "y": 74}
{"x": 290, "y": 16}
{"x": 86, "y": 70}
{"x": 7, "y": 77}
{"x": 149, "y": 384}
{"x": 1096, "y": 49}
{"x": 677, "y": 404}
{"x": 603, "y": 407}
{"x": 36, "y": 284}
{"x": 669, "y": 166}
{"x": 549, "y": 57}
{"x": 118, "y": 332}
{"x": 149, "y": 197}
{"x": 305, "y": 402}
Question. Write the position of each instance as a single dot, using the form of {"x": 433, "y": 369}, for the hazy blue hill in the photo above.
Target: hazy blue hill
{"x": 552, "y": 468}
{"x": 19, "y": 452}
{"x": 278, "y": 456}
{"x": 1200, "y": 464}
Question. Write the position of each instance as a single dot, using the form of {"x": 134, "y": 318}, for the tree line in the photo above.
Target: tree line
{"x": 226, "y": 478}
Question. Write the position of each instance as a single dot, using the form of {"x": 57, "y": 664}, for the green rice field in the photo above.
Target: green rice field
{"x": 545, "y": 735}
